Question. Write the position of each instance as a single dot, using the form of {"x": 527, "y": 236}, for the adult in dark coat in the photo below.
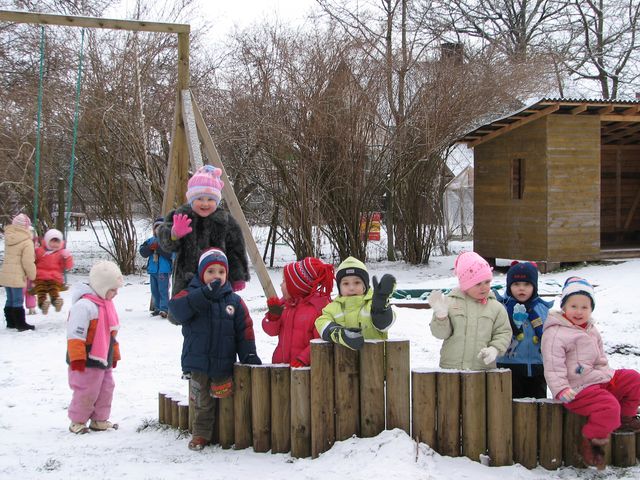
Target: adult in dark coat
{"x": 200, "y": 224}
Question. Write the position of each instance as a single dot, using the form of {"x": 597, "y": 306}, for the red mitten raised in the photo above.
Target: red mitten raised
{"x": 275, "y": 306}
{"x": 78, "y": 365}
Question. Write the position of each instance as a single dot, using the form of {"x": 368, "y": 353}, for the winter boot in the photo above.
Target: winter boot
{"x": 57, "y": 303}
{"x": 20, "y": 322}
{"x": 101, "y": 425}
{"x": 198, "y": 443}
{"x": 45, "y": 306}
{"x": 592, "y": 452}
{"x": 78, "y": 428}
{"x": 629, "y": 424}
{"x": 9, "y": 316}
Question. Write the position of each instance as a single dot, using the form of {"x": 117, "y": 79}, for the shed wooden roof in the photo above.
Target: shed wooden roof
{"x": 619, "y": 119}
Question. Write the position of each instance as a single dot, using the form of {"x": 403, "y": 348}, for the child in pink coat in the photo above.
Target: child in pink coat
{"x": 578, "y": 373}
{"x": 52, "y": 259}
{"x": 306, "y": 290}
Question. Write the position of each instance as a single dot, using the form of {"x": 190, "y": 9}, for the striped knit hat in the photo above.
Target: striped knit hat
{"x": 205, "y": 183}
{"x": 307, "y": 276}
{"x": 212, "y": 256}
{"x": 577, "y": 286}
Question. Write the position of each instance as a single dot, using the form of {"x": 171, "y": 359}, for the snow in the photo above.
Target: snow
{"x": 34, "y": 395}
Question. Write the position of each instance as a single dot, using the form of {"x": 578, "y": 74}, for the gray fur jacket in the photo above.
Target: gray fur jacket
{"x": 218, "y": 230}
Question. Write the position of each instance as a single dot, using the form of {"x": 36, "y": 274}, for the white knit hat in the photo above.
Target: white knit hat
{"x": 52, "y": 234}
{"x": 105, "y": 276}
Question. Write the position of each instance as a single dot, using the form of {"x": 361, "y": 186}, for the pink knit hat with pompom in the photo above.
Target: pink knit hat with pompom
{"x": 471, "y": 269}
{"x": 205, "y": 183}
{"x": 21, "y": 220}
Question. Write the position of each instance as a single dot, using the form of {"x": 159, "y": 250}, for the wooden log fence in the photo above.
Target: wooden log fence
{"x": 305, "y": 410}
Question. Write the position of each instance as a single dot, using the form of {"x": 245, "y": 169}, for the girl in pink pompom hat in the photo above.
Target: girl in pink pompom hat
{"x": 201, "y": 224}
{"x": 472, "y": 322}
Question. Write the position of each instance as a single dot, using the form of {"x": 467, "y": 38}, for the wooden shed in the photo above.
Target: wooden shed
{"x": 558, "y": 181}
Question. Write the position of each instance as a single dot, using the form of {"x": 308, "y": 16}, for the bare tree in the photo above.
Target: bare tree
{"x": 517, "y": 28}
{"x": 608, "y": 49}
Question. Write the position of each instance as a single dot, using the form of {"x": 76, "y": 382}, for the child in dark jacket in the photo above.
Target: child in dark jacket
{"x": 159, "y": 270}
{"x": 217, "y": 328}
{"x": 306, "y": 290}
{"x": 199, "y": 225}
{"x": 527, "y": 314}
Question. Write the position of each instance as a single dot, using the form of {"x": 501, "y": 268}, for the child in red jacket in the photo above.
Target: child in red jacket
{"x": 306, "y": 290}
{"x": 52, "y": 259}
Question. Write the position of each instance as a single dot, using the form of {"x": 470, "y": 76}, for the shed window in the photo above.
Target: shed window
{"x": 517, "y": 178}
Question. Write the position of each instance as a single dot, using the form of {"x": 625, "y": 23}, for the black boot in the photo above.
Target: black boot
{"x": 9, "y": 317}
{"x": 20, "y": 321}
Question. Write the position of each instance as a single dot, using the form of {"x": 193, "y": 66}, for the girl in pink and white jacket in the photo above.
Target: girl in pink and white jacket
{"x": 578, "y": 373}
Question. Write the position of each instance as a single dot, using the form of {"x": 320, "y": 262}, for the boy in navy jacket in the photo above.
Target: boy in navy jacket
{"x": 217, "y": 328}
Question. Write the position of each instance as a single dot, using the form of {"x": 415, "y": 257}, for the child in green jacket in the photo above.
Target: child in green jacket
{"x": 358, "y": 313}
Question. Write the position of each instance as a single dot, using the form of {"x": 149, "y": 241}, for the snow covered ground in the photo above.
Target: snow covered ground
{"x": 34, "y": 395}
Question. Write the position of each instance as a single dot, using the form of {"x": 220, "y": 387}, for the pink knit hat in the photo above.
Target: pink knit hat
{"x": 21, "y": 220}
{"x": 471, "y": 269}
{"x": 205, "y": 183}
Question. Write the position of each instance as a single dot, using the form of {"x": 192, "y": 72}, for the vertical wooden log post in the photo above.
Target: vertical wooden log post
{"x": 242, "y": 406}
{"x": 261, "y": 407}
{"x": 347, "y": 392}
{"x": 550, "y": 414}
{"x": 474, "y": 414}
{"x": 623, "y": 449}
{"x": 372, "y": 388}
{"x": 499, "y": 417}
{"x": 280, "y": 409}
{"x": 423, "y": 407}
{"x": 448, "y": 411}
{"x": 183, "y": 414}
{"x": 525, "y": 432}
{"x": 226, "y": 422}
{"x": 175, "y": 412}
{"x": 638, "y": 445}
{"x": 572, "y": 435}
{"x": 167, "y": 409}
{"x": 161, "y": 414}
{"x": 323, "y": 433}
{"x": 300, "y": 412}
{"x": 398, "y": 367}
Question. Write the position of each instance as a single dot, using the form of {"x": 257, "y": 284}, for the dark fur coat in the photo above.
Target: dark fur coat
{"x": 218, "y": 230}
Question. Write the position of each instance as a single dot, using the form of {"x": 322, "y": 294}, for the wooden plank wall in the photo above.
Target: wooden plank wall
{"x": 506, "y": 227}
{"x": 620, "y": 180}
{"x": 573, "y": 176}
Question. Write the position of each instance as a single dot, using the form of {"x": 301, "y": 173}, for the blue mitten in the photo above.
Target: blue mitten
{"x": 519, "y": 315}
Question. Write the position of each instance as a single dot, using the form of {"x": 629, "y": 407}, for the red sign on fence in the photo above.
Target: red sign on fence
{"x": 374, "y": 226}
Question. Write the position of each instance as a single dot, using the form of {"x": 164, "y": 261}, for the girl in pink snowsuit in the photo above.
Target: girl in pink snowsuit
{"x": 578, "y": 373}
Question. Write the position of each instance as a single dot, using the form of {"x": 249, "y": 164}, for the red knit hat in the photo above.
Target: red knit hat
{"x": 307, "y": 276}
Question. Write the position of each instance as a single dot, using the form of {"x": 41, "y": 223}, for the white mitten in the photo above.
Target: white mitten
{"x": 488, "y": 355}
{"x": 439, "y": 303}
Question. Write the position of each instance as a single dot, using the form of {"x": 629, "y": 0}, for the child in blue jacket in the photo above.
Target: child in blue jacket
{"x": 159, "y": 269}
{"x": 217, "y": 328}
{"x": 527, "y": 314}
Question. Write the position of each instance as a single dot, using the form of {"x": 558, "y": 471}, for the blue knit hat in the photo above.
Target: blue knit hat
{"x": 210, "y": 257}
{"x": 523, "y": 272}
{"x": 577, "y": 286}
